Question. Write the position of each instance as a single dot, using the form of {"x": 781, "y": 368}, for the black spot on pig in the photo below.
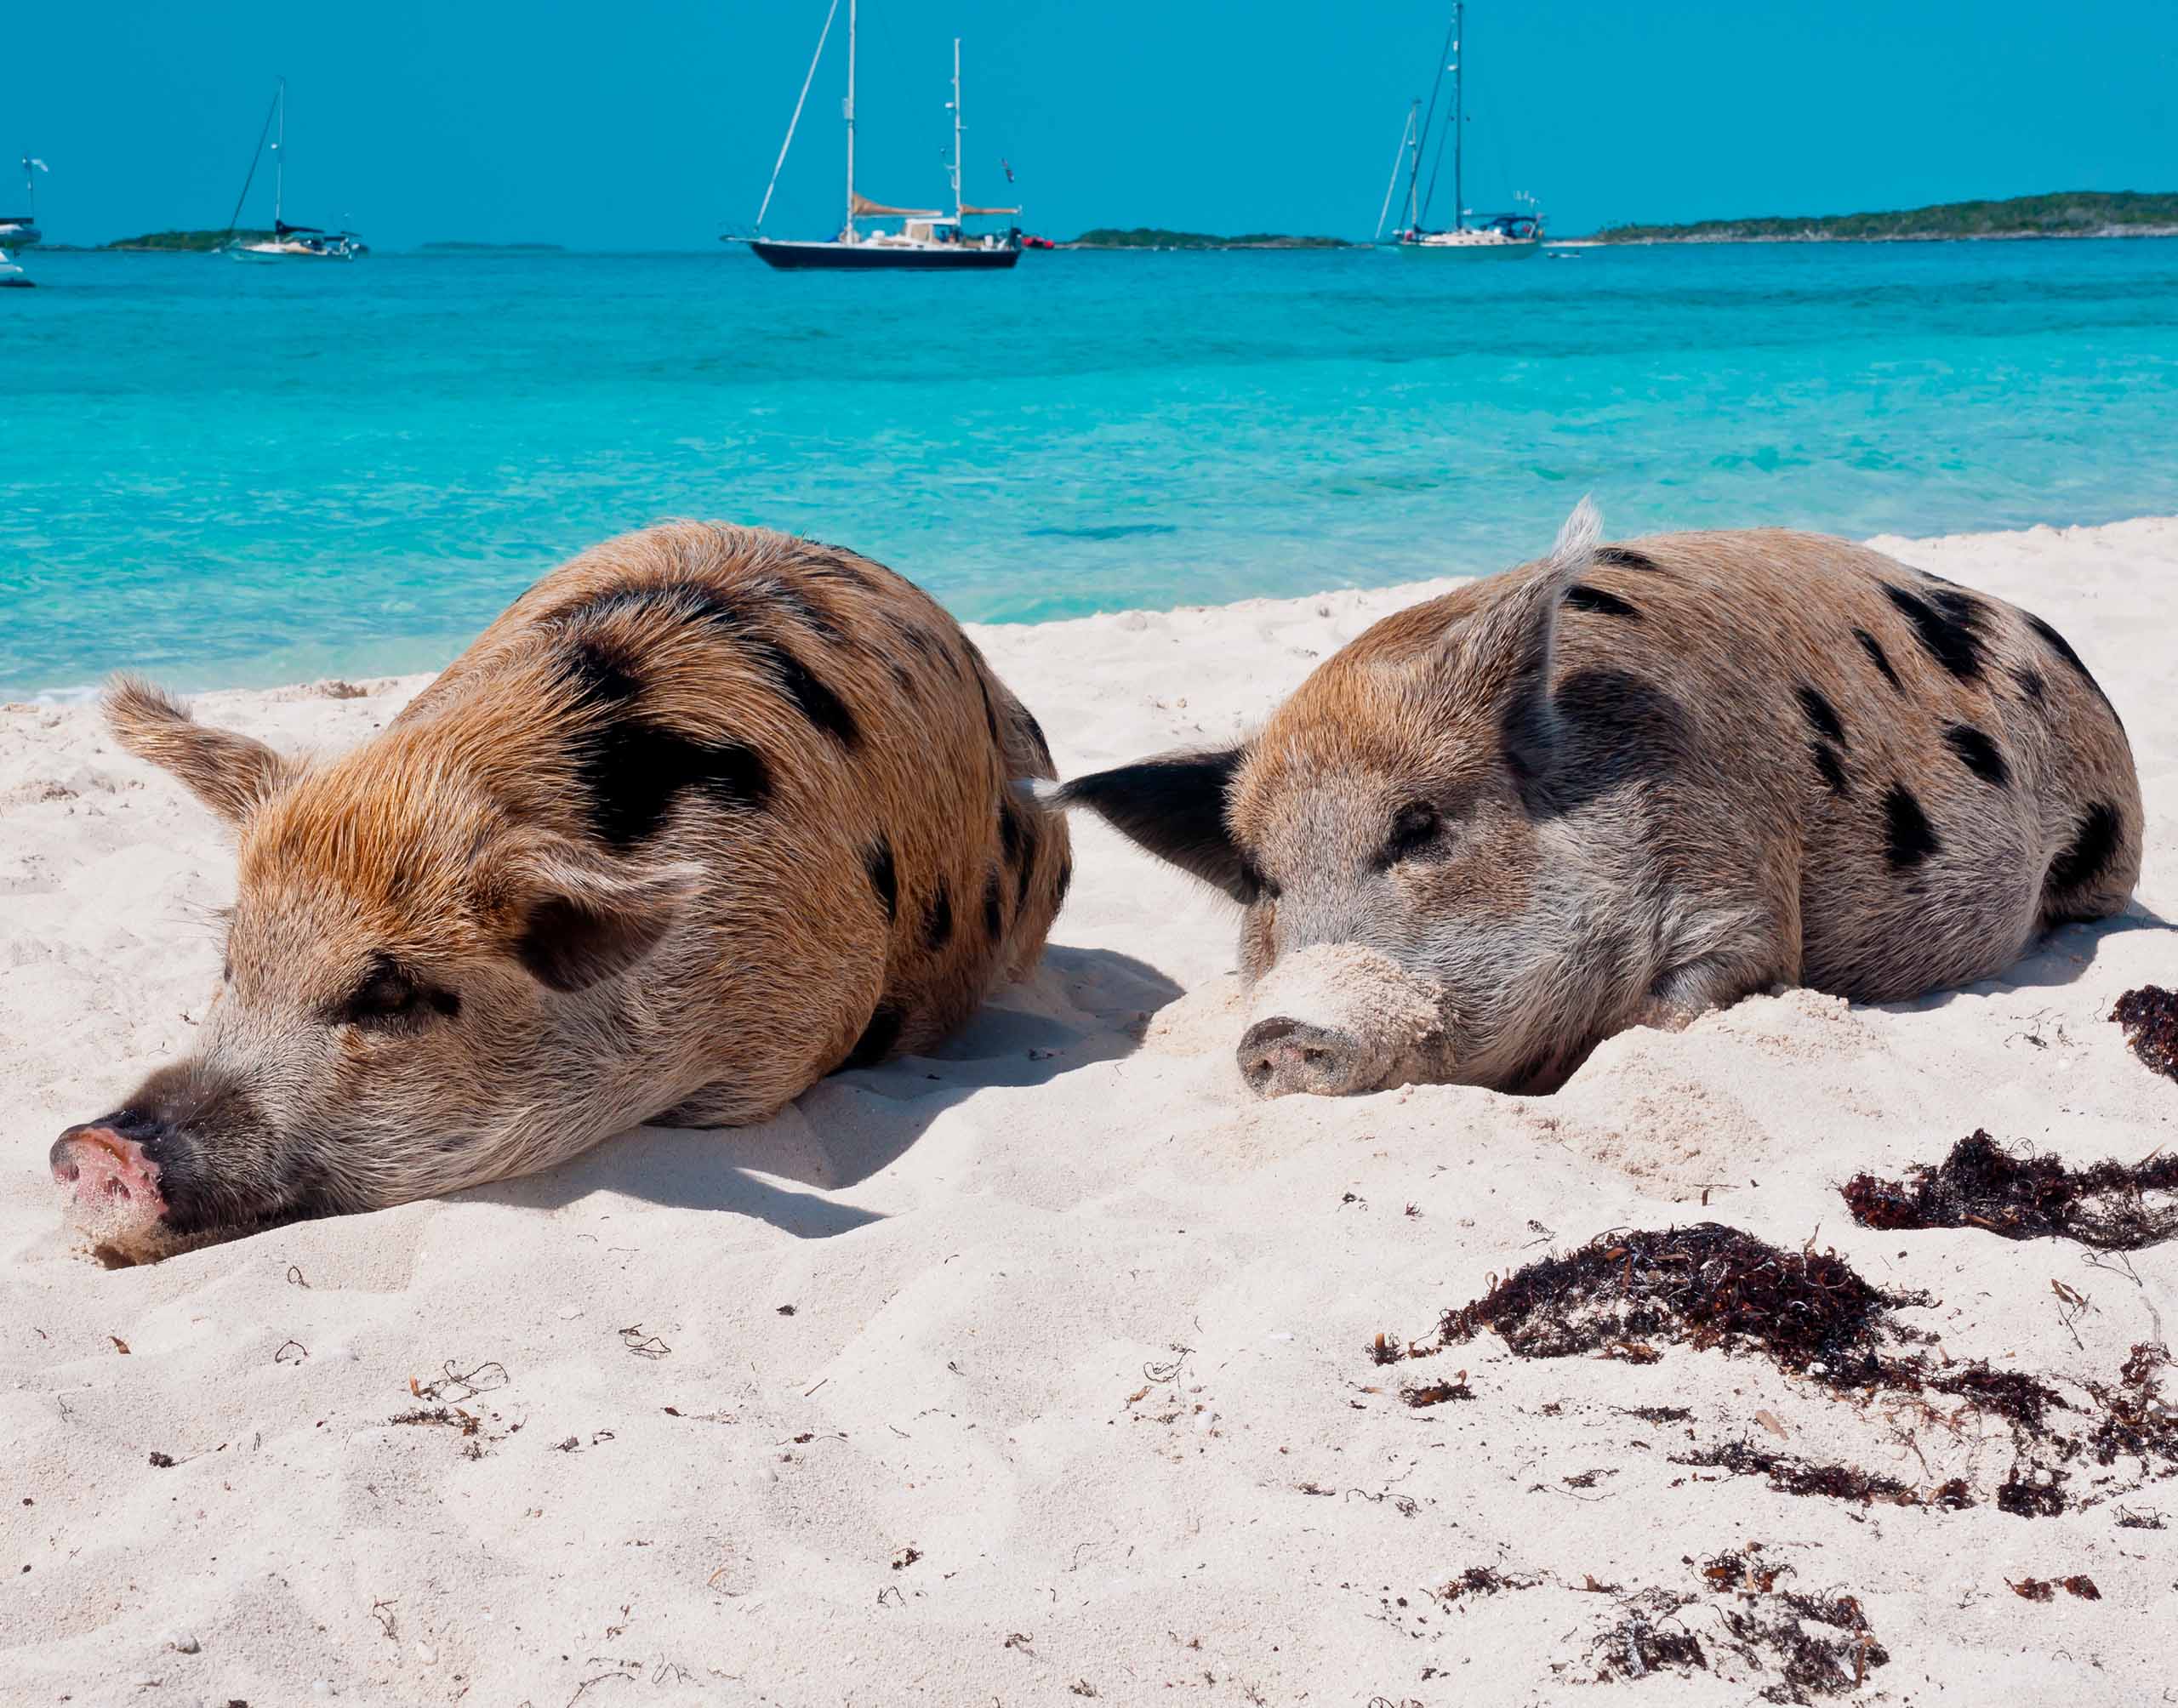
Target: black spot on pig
{"x": 1010, "y": 831}
{"x": 882, "y": 878}
{"x": 1583, "y": 598}
{"x": 1978, "y": 753}
{"x": 1823, "y": 715}
{"x": 1832, "y": 767}
{"x": 1908, "y": 840}
{"x": 1948, "y": 625}
{"x": 1617, "y": 730}
{"x": 2092, "y": 848}
{"x": 1878, "y": 657}
{"x": 938, "y": 919}
{"x": 994, "y": 909}
{"x": 692, "y": 602}
{"x": 1034, "y": 732}
{"x": 1625, "y": 557}
{"x": 877, "y": 1038}
{"x": 601, "y": 674}
{"x": 811, "y": 698}
{"x": 631, "y": 773}
{"x": 2029, "y": 683}
{"x": 2063, "y": 649}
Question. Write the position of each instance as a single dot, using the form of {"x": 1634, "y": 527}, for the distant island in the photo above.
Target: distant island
{"x": 1154, "y": 237}
{"x": 184, "y": 242}
{"x": 462, "y": 248}
{"x": 2065, "y": 213}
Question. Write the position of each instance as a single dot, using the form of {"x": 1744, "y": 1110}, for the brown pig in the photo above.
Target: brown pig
{"x": 707, "y": 814}
{"x": 1630, "y": 782}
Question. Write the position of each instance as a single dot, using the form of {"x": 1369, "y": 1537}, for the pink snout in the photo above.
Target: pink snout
{"x": 111, "y": 1180}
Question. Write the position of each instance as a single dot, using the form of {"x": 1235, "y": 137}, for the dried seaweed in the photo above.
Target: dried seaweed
{"x": 1718, "y": 1287}
{"x": 2137, "y": 1422}
{"x": 2150, "y": 1018}
{"x": 2045, "y": 1589}
{"x": 1707, "y": 1286}
{"x": 1981, "y": 1184}
{"x": 1435, "y": 1393}
{"x": 1790, "y": 1475}
{"x": 1648, "y": 1638}
{"x": 1484, "y": 1580}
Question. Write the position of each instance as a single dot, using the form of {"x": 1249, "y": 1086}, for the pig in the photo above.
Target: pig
{"x": 706, "y": 814}
{"x": 1629, "y": 783}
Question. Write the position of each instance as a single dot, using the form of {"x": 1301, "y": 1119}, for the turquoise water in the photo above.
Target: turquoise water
{"x": 229, "y": 474}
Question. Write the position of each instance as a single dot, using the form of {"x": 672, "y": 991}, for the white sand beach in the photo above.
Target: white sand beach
{"x": 1040, "y": 1370}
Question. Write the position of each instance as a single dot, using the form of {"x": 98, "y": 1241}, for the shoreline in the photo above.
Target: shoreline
{"x": 1400, "y": 593}
{"x": 1602, "y": 241}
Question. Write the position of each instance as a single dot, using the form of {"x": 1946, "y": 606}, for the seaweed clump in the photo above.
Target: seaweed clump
{"x": 1807, "y": 1645}
{"x": 2150, "y": 1018}
{"x": 1981, "y": 1184}
{"x": 1790, "y": 1476}
{"x": 1707, "y": 1286}
{"x": 1484, "y": 1580}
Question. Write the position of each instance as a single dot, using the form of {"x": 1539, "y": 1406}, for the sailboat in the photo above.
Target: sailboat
{"x": 928, "y": 240}
{"x": 1497, "y": 236}
{"x": 287, "y": 242}
{"x": 20, "y": 230}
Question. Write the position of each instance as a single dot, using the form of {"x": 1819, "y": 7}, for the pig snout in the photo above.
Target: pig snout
{"x": 113, "y": 1184}
{"x": 1281, "y": 1055}
{"x": 1335, "y": 1020}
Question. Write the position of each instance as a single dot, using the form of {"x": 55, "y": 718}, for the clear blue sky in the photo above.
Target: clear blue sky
{"x": 652, "y": 123}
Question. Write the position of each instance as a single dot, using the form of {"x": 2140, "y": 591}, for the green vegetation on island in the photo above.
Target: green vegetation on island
{"x": 184, "y": 243}
{"x": 2064, "y": 213}
{"x": 1154, "y": 237}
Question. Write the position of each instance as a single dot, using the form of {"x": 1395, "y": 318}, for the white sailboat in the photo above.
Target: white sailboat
{"x": 1497, "y": 237}
{"x": 20, "y": 230}
{"x": 928, "y": 240}
{"x": 287, "y": 242}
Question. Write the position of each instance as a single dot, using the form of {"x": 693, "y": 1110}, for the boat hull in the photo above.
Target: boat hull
{"x": 945, "y": 258}
{"x": 239, "y": 253}
{"x": 1516, "y": 249}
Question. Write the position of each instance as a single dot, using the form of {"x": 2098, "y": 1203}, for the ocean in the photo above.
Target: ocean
{"x": 229, "y": 475}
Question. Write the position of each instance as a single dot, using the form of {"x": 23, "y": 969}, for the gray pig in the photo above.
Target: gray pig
{"x": 1631, "y": 782}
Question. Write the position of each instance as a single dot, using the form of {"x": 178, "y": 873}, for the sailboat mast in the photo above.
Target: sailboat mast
{"x": 957, "y": 213}
{"x": 1459, "y": 111}
{"x": 1429, "y": 119}
{"x": 848, "y": 235}
{"x": 280, "y": 159}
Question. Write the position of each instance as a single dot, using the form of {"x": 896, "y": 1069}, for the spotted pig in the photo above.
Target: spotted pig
{"x": 1630, "y": 782}
{"x": 708, "y": 813}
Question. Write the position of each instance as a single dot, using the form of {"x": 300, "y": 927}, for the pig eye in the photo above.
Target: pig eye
{"x": 390, "y": 997}
{"x": 1415, "y": 828}
{"x": 1253, "y": 885}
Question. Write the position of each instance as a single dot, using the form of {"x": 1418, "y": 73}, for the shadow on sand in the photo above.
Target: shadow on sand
{"x": 2059, "y": 959}
{"x": 1080, "y": 1007}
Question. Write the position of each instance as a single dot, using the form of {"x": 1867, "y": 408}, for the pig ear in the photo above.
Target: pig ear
{"x": 1501, "y": 655}
{"x": 572, "y": 921}
{"x": 1174, "y": 807}
{"x": 234, "y": 775}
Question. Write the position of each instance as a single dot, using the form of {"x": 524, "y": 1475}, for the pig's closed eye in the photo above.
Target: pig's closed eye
{"x": 390, "y": 998}
{"x": 1254, "y": 886}
{"x": 1416, "y": 827}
